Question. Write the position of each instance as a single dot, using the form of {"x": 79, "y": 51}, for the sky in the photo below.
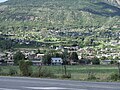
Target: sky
{"x": 2, "y": 1}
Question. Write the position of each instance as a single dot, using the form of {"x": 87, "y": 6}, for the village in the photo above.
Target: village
{"x": 82, "y": 56}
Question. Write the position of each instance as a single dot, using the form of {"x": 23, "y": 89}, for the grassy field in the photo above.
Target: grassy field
{"x": 81, "y": 72}
{"x": 78, "y": 72}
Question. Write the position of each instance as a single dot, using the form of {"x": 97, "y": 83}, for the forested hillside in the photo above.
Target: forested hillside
{"x": 114, "y": 2}
{"x": 38, "y": 20}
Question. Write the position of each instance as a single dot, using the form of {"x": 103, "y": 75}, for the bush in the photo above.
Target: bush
{"x": 43, "y": 72}
{"x": 84, "y": 61}
{"x": 114, "y": 77}
{"x": 96, "y": 61}
{"x": 35, "y": 74}
{"x": 0, "y": 70}
{"x": 91, "y": 76}
{"x": 17, "y": 57}
{"x": 113, "y": 62}
{"x": 67, "y": 76}
{"x": 12, "y": 71}
{"x": 47, "y": 72}
{"x": 25, "y": 68}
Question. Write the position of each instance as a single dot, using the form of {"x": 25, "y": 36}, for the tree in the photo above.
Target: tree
{"x": 18, "y": 56}
{"x": 87, "y": 41}
{"x": 95, "y": 61}
{"x": 58, "y": 54}
{"x": 81, "y": 43}
{"x": 74, "y": 56}
{"x": 25, "y": 68}
{"x": 65, "y": 53}
{"x": 5, "y": 45}
{"x": 103, "y": 58}
{"x": 84, "y": 61}
{"x": 38, "y": 51}
{"x": 47, "y": 59}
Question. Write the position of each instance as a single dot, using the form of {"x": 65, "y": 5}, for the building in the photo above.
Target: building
{"x": 37, "y": 63}
{"x": 36, "y": 59}
{"x": 9, "y": 59}
{"x": 56, "y": 61}
{"x": 2, "y": 55}
{"x": 105, "y": 62}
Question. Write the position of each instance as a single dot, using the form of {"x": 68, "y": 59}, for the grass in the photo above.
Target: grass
{"x": 84, "y": 68}
{"x": 78, "y": 72}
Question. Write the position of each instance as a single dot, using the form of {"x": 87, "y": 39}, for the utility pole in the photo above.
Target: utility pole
{"x": 65, "y": 61}
{"x": 119, "y": 69}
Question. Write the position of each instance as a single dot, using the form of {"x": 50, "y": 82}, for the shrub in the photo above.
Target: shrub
{"x": 35, "y": 74}
{"x": 114, "y": 77}
{"x": 113, "y": 62}
{"x": 25, "y": 68}
{"x": 0, "y": 69}
{"x": 84, "y": 61}
{"x": 43, "y": 72}
{"x": 12, "y": 71}
{"x": 91, "y": 76}
{"x": 95, "y": 61}
{"x": 17, "y": 57}
{"x": 67, "y": 75}
{"x": 47, "y": 72}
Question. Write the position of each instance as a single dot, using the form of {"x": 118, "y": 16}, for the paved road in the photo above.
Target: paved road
{"x": 23, "y": 83}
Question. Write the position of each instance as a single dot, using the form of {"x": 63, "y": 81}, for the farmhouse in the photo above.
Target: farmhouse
{"x": 36, "y": 59}
{"x": 56, "y": 61}
{"x": 37, "y": 62}
{"x": 105, "y": 62}
{"x": 1, "y": 58}
{"x": 9, "y": 59}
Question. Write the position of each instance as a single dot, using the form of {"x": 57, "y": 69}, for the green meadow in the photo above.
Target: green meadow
{"x": 77, "y": 72}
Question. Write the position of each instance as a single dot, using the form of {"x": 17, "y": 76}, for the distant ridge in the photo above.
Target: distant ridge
{"x": 114, "y": 2}
{"x": 3, "y": 1}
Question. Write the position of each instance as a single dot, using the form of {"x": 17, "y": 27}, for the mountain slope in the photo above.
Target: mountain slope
{"x": 114, "y": 2}
{"x": 26, "y": 18}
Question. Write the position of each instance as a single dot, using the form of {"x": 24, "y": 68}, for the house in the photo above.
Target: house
{"x": 40, "y": 56}
{"x": 36, "y": 59}
{"x": 105, "y": 62}
{"x": 73, "y": 48}
{"x": 10, "y": 62}
{"x": 1, "y": 58}
{"x": 56, "y": 61}
{"x": 9, "y": 59}
{"x": 36, "y": 62}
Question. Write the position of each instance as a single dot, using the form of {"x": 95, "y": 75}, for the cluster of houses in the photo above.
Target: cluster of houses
{"x": 6, "y": 58}
{"x": 36, "y": 59}
{"x": 88, "y": 53}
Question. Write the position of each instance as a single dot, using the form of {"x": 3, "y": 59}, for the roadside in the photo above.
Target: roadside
{"x": 97, "y": 73}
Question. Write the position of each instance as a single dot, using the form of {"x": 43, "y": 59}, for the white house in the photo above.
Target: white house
{"x": 37, "y": 63}
{"x": 105, "y": 62}
{"x": 1, "y": 57}
{"x": 56, "y": 61}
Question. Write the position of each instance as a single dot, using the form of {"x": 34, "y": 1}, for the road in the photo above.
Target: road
{"x": 25, "y": 83}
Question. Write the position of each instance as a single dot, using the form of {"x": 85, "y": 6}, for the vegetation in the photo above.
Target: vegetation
{"x": 49, "y": 25}
{"x": 47, "y": 59}
{"x": 91, "y": 76}
{"x": 114, "y": 77}
{"x": 25, "y": 68}
{"x": 18, "y": 56}
{"x": 74, "y": 56}
{"x": 77, "y": 72}
{"x": 57, "y": 22}
{"x": 95, "y": 61}
{"x": 13, "y": 72}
